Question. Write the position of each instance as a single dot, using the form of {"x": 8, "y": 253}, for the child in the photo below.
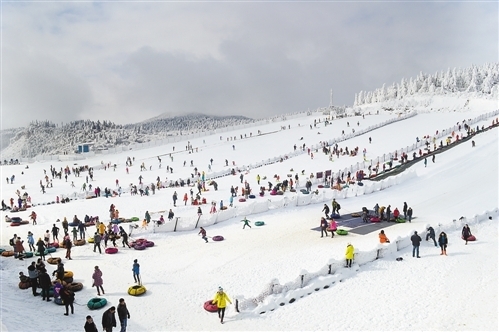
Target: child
{"x": 136, "y": 271}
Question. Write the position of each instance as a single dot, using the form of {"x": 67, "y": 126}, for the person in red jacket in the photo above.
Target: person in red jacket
{"x": 396, "y": 213}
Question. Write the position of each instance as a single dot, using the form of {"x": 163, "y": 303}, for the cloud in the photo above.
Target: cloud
{"x": 125, "y": 62}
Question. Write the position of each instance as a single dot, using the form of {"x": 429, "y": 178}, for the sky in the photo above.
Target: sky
{"x": 181, "y": 272}
{"x": 130, "y": 61}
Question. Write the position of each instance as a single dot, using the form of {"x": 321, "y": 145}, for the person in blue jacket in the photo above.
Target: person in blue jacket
{"x": 443, "y": 241}
{"x": 136, "y": 272}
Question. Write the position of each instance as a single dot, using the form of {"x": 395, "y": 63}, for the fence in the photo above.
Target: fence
{"x": 275, "y": 295}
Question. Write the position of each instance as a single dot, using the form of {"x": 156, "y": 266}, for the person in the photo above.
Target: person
{"x": 97, "y": 240}
{"x": 147, "y": 217}
{"x": 97, "y": 277}
{"x": 124, "y": 238}
{"x": 65, "y": 225}
{"x": 443, "y": 241}
{"x": 170, "y": 215}
{"x": 405, "y": 210}
{"x": 19, "y": 248}
{"x": 90, "y": 325}
{"x": 246, "y": 223}
{"x": 136, "y": 271}
{"x": 59, "y": 272}
{"x": 326, "y": 210}
{"x": 174, "y": 197}
{"x": 388, "y": 212}
{"x": 334, "y": 204}
{"x": 416, "y": 241}
{"x": 221, "y": 302}
{"x": 31, "y": 242}
{"x": 409, "y": 214}
{"x": 68, "y": 297}
{"x": 466, "y": 233}
{"x": 333, "y": 226}
{"x": 55, "y": 233}
{"x": 431, "y": 235}
{"x": 383, "y": 238}
{"x": 349, "y": 255}
{"x": 323, "y": 226}
{"x": 396, "y": 213}
{"x": 74, "y": 231}
{"x": 200, "y": 212}
{"x": 376, "y": 209}
{"x": 45, "y": 284}
{"x": 109, "y": 319}
{"x": 33, "y": 276}
{"x": 202, "y": 231}
{"x": 68, "y": 245}
{"x": 123, "y": 314}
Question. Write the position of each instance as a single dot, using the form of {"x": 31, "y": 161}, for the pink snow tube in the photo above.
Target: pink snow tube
{"x": 209, "y": 306}
{"x": 140, "y": 246}
{"x": 111, "y": 250}
{"x": 148, "y": 244}
{"x": 470, "y": 238}
{"x": 375, "y": 219}
{"x": 242, "y": 199}
{"x": 54, "y": 245}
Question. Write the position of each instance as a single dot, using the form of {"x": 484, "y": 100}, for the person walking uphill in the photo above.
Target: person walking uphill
{"x": 416, "y": 242}
{"x": 466, "y": 233}
{"x": 109, "y": 319}
{"x": 97, "y": 277}
{"x": 221, "y": 302}
{"x": 442, "y": 241}
{"x": 431, "y": 235}
{"x": 349, "y": 255}
{"x": 202, "y": 231}
{"x": 123, "y": 314}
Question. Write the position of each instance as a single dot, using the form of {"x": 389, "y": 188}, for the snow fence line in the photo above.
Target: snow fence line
{"x": 275, "y": 294}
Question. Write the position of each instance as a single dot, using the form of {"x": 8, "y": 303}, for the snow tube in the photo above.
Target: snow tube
{"x": 360, "y": 184}
{"x": 54, "y": 245}
{"x": 96, "y": 303}
{"x": 75, "y": 286}
{"x": 80, "y": 242}
{"x": 400, "y": 220}
{"x": 90, "y": 240}
{"x": 24, "y": 285}
{"x": 7, "y": 253}
{"x": 67, "y": 280}
{"x": 136, "y": 290}
{"x": 90, "y": 223}
{"x": 68, "y": 274}
{"x": 134, "y": 218}
{"x": 1, "y": 250}
{"x": 280, "y": 193}
{"x": 320, "y": 186}
{"x": 341, "y": 232}
{"x": 24, "y": 222}
{"x": 242, "y": 199}
{"x": 45, "y": 252}
{"x": 28, "y": 254}
{"x": 138, "y": 246}
{"x": 53, "y": 260}
{"x": 58, "y": 301}
{"x": 374, "y": 219}
{"x": 470, "y": 238}
{"x": 15, "y": 219}
{"x": 209, "y": 306}
{"x": 14, "y": 224}
{"x": 111, "y": 250}
{"x": 355, "y": 215}
{"x": 259, "y": 223}
{"x": 148, "y": 244}
{"x": 73, "y": 224}
{"x": 51, "y": 249}
{"x": 335, "y": 216}
{"x": 252, "y": 196}
{"x": 116, "y": 221}
{"x": 218, "y": 238}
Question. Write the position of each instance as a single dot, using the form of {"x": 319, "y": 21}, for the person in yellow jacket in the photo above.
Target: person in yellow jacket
{"x": 221, "y": 301}
{"x": 349, "y": 255}
{"x": 102, "y": 228}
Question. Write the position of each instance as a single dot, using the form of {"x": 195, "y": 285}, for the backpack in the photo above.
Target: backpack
{"x": 338, "y": 206}
{"x": 11, "y": 241}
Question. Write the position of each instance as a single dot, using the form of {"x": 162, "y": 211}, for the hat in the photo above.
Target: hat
{"x": 220, "y": 289}
{"x": 415, "y": 232}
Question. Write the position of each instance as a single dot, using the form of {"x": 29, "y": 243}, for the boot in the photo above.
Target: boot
{"x": 442, "y": 252}
{"x": 445, "y": 252}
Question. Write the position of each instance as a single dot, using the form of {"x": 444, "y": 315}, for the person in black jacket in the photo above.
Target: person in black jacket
{"x": 466, "y": 233}
{"x": 124, "y": 237}
{"x": 90, "y": 325}
{"x": 68, "y": 296}
{"x": 123, "y": 314}
{"x": 59, "y": 273}
{"x": 431, "y": 235}
{"x": 41, "y": 248}
{"x": 416, "y": 241}
{"x": 109, "y": 319}
{"x": 55, "y": 233}
{"x": 442, "y": 241}
{"x": 45, "y": 284}
{"x": 68, "y": 245}
{"x": 326, "y": 210}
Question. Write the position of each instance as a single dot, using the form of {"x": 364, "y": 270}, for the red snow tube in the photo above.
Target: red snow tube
{"x": 54, "y": 245}
{"x": 217, "y": 238}
{"x": 470, "y": 238}
{"x": 148, "y": 244}
{"x": 208, "y": 306}
{"x": 242, "y": 199}
{"x": 15, "y": 224}
{"x": 375, "y": 219}
{"x": 111, "y": 250}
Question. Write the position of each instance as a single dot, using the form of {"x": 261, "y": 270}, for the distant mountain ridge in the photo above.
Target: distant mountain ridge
{"x": 45, "y": 137}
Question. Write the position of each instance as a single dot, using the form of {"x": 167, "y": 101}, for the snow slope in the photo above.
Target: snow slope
{"x": 457, "y": 292}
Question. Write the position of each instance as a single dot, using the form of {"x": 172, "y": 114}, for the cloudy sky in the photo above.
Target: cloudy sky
{"x": 129, "y": 61}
